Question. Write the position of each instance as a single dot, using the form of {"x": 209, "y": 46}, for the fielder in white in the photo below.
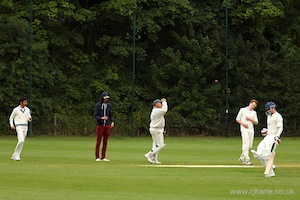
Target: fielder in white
{"x": 247, "y": 118}
{"x": 157, "y": 125}
{"x": 18, "y": 120}
{"x": 272, "y": 136}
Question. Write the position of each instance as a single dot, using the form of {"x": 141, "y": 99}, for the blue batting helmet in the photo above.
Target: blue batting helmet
{"x": 269, "y": 105}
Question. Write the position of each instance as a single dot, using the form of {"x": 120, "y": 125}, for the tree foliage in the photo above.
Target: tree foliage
{"x": 81, "y": 48}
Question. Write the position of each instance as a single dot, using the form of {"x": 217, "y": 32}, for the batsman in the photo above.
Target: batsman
{"x": 266, "y": 149}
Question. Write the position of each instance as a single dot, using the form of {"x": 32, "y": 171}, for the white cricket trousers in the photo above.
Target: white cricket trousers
{"x": 21, "y": 135}
{"x": 264, "y": 149}
{"x": 157, "y": 140}
{"x": 247, "y": 142}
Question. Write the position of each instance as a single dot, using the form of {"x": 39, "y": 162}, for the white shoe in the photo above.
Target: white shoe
{"x": 242, "y": 160}
{"x": 268, "y": 175}
{"x": 274, "y": 167}
{"x": 15, "y": 158}
{"x": 98, "y": 159}
{"x": 104, "y": 159}
{"x": 149, "y": 158}
{"x": 245, "y": 162}
{"x": 156, "y": 162}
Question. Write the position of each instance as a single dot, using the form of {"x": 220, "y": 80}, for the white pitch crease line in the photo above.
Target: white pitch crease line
{"x": 203, "y": 166}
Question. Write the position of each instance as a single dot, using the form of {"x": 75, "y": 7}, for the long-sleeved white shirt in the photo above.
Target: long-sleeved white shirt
{"x": 275, "y": 124}
{"x": 20, "y": 116}
{"x": 157, "y": 116}
{"x": 246, "y": 112}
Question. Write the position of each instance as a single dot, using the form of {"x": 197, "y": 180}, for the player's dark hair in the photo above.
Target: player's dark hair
{"x": 23, "y": 99}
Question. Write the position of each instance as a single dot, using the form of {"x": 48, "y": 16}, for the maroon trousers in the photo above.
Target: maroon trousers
{"x": 105, "y": 132}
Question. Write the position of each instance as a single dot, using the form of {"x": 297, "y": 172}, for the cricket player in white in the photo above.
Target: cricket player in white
{"x": 272, "y": 136}
{"x": 157, "y": 125}
{"x": 247, "y": 118}
{"x": 18, "y": 120}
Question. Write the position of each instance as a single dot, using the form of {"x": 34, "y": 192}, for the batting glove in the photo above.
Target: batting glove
{"x": 277, "y": 140}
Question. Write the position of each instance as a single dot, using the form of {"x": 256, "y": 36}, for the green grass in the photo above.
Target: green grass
{"x": 64, "y": 168}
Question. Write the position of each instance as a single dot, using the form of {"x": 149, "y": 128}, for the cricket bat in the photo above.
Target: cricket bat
{"x": 270, "y": 163}
{"x": 271, "y": 160}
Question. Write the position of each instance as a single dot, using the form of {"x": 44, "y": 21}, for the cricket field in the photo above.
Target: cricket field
{"x": 64, "y": 167}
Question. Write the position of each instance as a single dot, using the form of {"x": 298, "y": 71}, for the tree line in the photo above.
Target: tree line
{"x": 182, "y": 51}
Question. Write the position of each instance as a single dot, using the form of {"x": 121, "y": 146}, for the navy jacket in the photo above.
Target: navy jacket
{"x": 99, "y": 112}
